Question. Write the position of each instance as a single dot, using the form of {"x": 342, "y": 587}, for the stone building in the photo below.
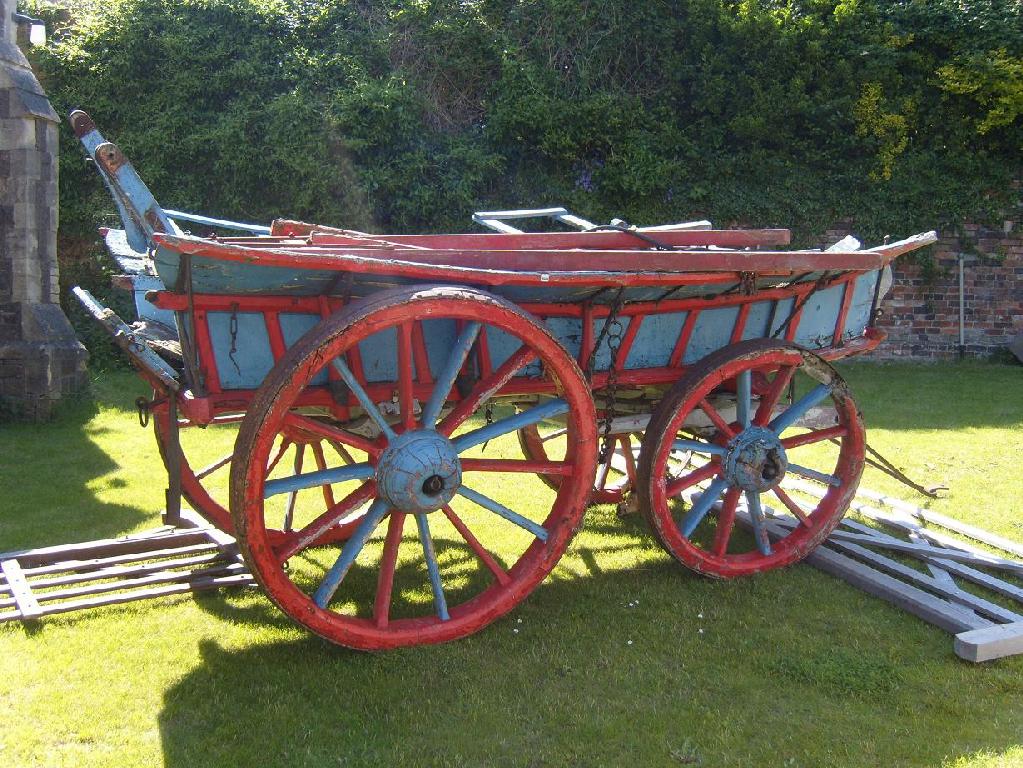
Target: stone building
{"x": 40, "y": 358}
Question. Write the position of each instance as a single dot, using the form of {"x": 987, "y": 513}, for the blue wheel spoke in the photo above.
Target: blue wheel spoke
{"x": 361, "y": 471}
{"x": 352, "y": 548}
{"x": 511, "y": 424}
{"x": 744, "y": 395}
{"x": 756, "y": 516}
{"x": 447, "y": 377}
{"x": 499, "y": 509}
{"x": 698, "y": 447}
{"x": 813, "y": 474}
{"x": 364, "y": 399}
{"x": 795, "y": 411}
{"x": 439, "y": 603}
{"x": 702, "y": 506}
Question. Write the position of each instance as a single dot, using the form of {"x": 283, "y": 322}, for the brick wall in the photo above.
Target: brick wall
{"x": 921, "y": 312}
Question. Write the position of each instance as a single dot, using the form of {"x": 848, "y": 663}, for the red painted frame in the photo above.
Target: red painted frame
{"x": 217, "y": 401}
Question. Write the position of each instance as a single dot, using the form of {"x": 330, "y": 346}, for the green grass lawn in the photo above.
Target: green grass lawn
{"x": 791, "y": 668}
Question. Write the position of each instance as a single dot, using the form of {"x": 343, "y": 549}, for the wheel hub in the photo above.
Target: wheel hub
{"x": 419, "y": 471}
{"x": 756, "y": 460}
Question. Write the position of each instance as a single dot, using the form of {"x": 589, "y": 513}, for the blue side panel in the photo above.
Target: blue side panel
{"x": 502, "y": 346}
{"x": 252, "y": 360}
{"x": 569, "y": 331}
{"x": 146, "y": 311}
{"x": 294, "y": 326}
{"x": 817, "y": 323}
{"x": 781, "y": 314}
{"x": 439, "y": 337}
{"x": 859, "y": 311}
{"x": 380, "y": 355}
{"x": 655, "y": 340}
{"x": 757, "y": 320}
{"x": 712, "y": 331}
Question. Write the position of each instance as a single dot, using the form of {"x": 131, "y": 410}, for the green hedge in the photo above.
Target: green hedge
{"x": 407, "y": 116}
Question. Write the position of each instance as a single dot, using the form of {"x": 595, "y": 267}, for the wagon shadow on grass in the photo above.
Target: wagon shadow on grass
{"x": 601, "y": 665}
{"x": 411, "y": 578}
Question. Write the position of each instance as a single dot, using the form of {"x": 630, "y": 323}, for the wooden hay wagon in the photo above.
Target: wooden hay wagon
{"x": 420, "y": 421}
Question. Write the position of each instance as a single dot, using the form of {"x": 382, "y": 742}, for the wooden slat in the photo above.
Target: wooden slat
{"x": 990, "y": 642}
{"x": 82, "y": 566}
{"x": 935, "y": 518}
{"x": 25, "y": 601}
{"x": 982, "y": 579}
{"x": 225, "y": 542}
{"x": 935, "y": 610}
{"x": 120, "y": 571}
{"x": 161, "y": 577}
{"x": 30, "y": 558}
{"x": 141, "y": 594}
{"x": 895, "y": 568}
{"x": 922, "y": 551}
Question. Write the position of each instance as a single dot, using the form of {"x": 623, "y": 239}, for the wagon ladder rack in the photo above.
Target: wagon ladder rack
{"x": 189, "y": 556}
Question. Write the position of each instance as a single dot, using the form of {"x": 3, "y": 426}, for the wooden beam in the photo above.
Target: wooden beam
{"x": 990, "y": 642}
{"x": 935, "y": 610}
{"x": 25, "y": 601}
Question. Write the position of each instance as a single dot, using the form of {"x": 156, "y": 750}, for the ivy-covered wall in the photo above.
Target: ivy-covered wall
{"x": 896, "y": 115}
{"x": 408, "y": 115}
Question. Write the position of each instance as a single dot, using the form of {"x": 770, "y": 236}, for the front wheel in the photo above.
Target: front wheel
{"x": 695, "y": 481}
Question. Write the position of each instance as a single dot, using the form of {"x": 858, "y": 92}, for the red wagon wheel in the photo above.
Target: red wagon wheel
{"x": 486, "y": 530}
{"x": 735, "y": 468}
{"x": 614, "y": 477}
{"x": 211, "y": 449}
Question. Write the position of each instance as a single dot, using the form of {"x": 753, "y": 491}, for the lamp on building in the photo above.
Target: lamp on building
{"x": 36, "y": 28}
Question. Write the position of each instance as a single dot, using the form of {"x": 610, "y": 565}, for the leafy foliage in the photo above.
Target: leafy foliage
{"x": 409, "y": 114}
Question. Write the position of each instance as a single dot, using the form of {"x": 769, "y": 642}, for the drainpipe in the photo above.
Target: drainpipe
{"x": 962, "y": 307}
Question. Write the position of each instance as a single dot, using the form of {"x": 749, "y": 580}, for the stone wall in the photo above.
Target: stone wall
{"x": 921, "y": 312}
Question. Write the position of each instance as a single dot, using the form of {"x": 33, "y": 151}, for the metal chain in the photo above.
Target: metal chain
{"x": 876, "y": 460}
{"x": 233, "y": 329}
{"x": 614, "y": 341}
{"x": 613, "y": 332}
{"x": 489, "y": 415}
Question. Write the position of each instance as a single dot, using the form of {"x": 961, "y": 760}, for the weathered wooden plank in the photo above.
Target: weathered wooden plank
{"x": 923, "y": 551}
{"x": 225, "y": 542}
{"x": 936, "y": 518}
{"x": 947, "y": 589}
{"x": 933, "y": 609}
{"x": 936, "y": 571}
{"x": 990, "y": 642}
{"x": 86, "y": 566}
{"x": 980, "y": 578}
{"x": 160, "y": 577}
{"x": 141, "y": 594}
{"x": 949, "y": 567}
{"x": 904, "y": 522}
{"x": 31, "y": 558}
{"x": 25, "y": 601}
{"x": 122, "y": 571}
{"x": 160, "y": 372}
{"x": 910, "y": 518}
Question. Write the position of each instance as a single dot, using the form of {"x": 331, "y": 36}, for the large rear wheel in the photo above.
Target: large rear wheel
{"x": 448, "y": 537}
